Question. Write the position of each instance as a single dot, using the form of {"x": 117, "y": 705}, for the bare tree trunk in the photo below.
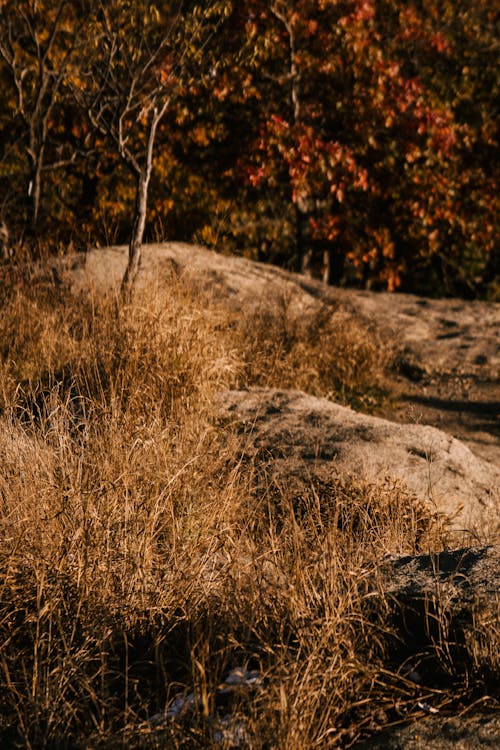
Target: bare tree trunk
{"x": 143, "y": 176}
{"x": 327, "y": 266}
{"x": 303, "y": 238}
{"x": 137, "y": 237}
{"x": 333, "y": 266}
{"x": 34, "y": 193}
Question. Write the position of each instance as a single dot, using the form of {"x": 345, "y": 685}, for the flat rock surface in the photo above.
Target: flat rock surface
{"x": 311, "y": 436}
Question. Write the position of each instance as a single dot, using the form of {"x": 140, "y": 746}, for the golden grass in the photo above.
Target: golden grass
{"x": 327, "y": 353}
{"x": 137, "y": 557}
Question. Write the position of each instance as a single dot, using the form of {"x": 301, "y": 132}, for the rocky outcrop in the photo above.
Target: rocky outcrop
{"x": 448, "y": 350}
{"x": 445, "y": 613}
{"x": 438, "y": 335}
{"x": 308, "y": 436}
{"x": 449, "y": 358}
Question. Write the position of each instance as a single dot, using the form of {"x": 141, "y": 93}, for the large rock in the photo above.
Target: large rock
{"x": 448, "y": 349}
{"x": 311, "y": 436}
{"x": 446, "y": 335}
{"x": 445, "y": 611}
{"x": 450, "y": 357}
{"x": 449, "y": 353}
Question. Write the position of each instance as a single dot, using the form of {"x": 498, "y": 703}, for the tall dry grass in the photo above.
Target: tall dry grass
{"x": 330, "y": 353}
{"x": 137, "y": 557}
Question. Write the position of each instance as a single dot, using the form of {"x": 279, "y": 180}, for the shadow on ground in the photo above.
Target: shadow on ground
{"x": 481, "y": 415}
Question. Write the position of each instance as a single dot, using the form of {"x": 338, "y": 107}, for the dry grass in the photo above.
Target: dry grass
{"x": 332, "y": 354}
{"x": 137, "y": 557}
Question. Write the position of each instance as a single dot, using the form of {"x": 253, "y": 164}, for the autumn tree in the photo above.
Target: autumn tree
{"x": 452, "y": 50}
{"x": 142, "y": 56}
{"x": 355, "y": 140}
{"x": 338, "y": 121}
{"x": 39, "y": 43}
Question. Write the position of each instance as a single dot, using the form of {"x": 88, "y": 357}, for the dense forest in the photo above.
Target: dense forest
{"x": 352, "y": 140}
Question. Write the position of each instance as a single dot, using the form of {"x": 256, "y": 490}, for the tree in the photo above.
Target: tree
{"x": 142, "y": 57}
{"x": 355, "y": 139}
{"x": 364, "y": 146}
{"x": 39, "y": 42}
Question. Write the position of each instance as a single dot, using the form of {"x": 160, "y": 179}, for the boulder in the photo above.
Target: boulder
{"x": 449, "y": 358}
{"x": 445, "y": 612}
{"x": 453, "y": 336}
{"x": 309, "y": 436}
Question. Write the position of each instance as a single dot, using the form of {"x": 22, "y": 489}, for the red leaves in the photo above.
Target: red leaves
{"x": 373, "y": 118}
{"x": 438, "y": 42}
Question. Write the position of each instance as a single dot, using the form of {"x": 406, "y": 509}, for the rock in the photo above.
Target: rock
{"x": 309, "y": 436}
{"x": 447, "y": 335}
{"x": 477, "y": 732}
{"x": 449, "y": 359}
{"x": 464, "y": 575}
{"x": 448, "y": 349}
{"x": 448, "y": 597}
{"x": 437, "y": 335}
{"x": 445, "y": 613}
{"x": 448, "y": 363}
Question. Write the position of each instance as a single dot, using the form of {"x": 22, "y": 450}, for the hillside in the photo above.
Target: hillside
{"x": 231, "y": 516}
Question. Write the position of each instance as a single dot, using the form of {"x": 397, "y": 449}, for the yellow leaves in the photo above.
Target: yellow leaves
{"x": 384, "y": 244}
{"x": 221, "y": 93}
{"x": 153, "y": 14}
{"x": 209, "y": 236}
{"x": 433, "y": 240}
{"x": 413, "y": 153}
{"x": 251, "y": 29}
{"x": 182, "y": 115}
{"x": 200, "y": 135}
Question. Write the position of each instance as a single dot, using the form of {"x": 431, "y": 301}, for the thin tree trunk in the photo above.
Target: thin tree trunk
{"x": 327, "y": 266}
{"x": 333, "y": 266}
{"x": 143, "y": 176}
{"x": 34, "y": 194}
{"x": 135, "y": 245}
{"x": 303, "y": 238}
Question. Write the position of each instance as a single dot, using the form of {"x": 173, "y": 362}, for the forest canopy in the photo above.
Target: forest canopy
{"x": 353, "y": 140}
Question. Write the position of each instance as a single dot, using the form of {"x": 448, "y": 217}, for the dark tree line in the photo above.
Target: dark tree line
{"x": 355, "y": 141}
